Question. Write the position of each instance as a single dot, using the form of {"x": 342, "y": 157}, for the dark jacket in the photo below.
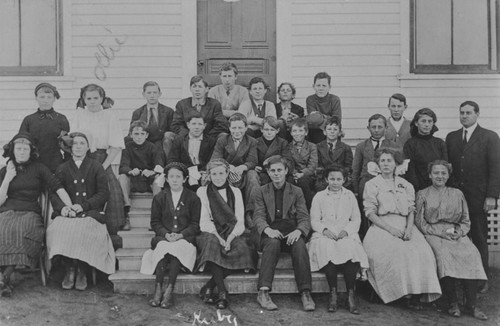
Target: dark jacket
{"x": 279, "y": 146}
{"x": 165, "y": 117}
{"x": 246, "y": 152}
{"x": 211, "y": 112}
{"x": 180, "y": 151}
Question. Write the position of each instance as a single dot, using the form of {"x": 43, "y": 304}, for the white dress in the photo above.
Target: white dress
{"x": 336, "y": 212}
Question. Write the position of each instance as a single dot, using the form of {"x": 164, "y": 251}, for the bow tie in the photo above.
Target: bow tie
{"x": 46, "y": 114}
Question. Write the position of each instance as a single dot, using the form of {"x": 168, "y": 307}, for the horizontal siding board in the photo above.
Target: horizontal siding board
{"x": 109, "y": 41}
{"x": 356, "y": 49}
{"x": 105, "y": 8}
{"x": 346, "y": 29}
{"x": 128, "y": 30}
{"x": 344, "y": 7}
{"x": 340, "y": 18}
{"x": 137, "y": 62}
{"x": 347, "y": 39}
{"x": 110, "y": 20}
{"x": 321, "y": 61}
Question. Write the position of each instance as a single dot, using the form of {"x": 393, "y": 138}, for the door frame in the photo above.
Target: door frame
{"x": 190, "y": 50}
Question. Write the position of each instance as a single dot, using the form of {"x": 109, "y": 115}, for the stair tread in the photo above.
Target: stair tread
{"x": 130, "y": 252}
{"x": 136, "y": 231}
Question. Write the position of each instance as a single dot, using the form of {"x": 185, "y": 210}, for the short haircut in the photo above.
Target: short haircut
{"x": 322, "y": 75}
{"x": 256, "y": 80}
{"x": 196, "y": 79}
{"x": 377, "y": 116}
{"x": 274, "y": 160}
{"x": 399, "y": 97}
{"x": 238, "y": 117}
{"x": 150, "y": 83}
{"x": 439, "y": 162}
{"x": 471, "y": 103}
{"x": 294, "y": 90}
{"x": 228, "y": 66}
{"x": 334, "y": 120}
{"x": 334, "y": 168}
{"x": 418, "y": 115}
{"x": 271, "y": 121}
{"x": 397, "y": 155}
{"x": 138, "y": 124}
{"x": 194, "y": 115}
{"x": 301, "y": 123}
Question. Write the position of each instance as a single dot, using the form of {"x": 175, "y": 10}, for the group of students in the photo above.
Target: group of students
{"x": 233, "y": 174}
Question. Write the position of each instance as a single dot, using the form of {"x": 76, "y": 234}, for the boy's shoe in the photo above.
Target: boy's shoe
{"x": 126, "y": 226}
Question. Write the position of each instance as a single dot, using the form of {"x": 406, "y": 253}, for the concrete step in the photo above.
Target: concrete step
{"x": 137, "y": 238}
{"x": 133, "y": 282}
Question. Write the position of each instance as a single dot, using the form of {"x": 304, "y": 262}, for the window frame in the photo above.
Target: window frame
{"x": 493, "y": 56}
{"x": 57, "y": 69}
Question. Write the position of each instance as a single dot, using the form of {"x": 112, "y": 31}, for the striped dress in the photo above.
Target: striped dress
{"x": 21, "y": 225}
{"x": 85, "y": 237}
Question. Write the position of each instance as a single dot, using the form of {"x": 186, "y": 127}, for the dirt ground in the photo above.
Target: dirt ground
{"x": 33, "y": 304}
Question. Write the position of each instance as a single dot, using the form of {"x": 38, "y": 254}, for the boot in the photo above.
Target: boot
{"x": 265, "y": 301}
{"x": 476, "y": 313}
{"x": 351, "y": 300}
{"x": 454, "y": 310}
{"x": 222, "y": 302}
{"x": 206, "y": 294}
{"x": 332, "y": 300}
{"x": 126, "y": 226}
{"x": 168, "y": 297}
{"x": 307, "y": 301}
{"x": 155, "y": 301}
{"x": 69, "y": 280}
{"x": 81, "y": 278}
{"x": 5, "y": 288}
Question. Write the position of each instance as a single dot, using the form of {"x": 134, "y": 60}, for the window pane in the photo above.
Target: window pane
{"x": 433, "y": 32}
{"x": 38, "y": 32}
{"x": 470, "y": 32}
{"x": 9, "y": 33}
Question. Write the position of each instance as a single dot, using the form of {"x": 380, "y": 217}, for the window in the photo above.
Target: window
{"x": 30, "y": 37}
{"x": 454, "y": 36}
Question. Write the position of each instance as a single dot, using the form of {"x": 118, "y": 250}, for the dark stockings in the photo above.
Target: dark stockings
{"x": 218, "y": 275}
{"x": 450, "y": 291}
{"x": 350, "y": 270}
{"x": 174, "y": 267}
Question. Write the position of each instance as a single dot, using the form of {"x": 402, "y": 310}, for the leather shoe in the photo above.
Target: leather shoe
{"x": 168, "y": 297}
{"x": 206, "y": 294}
{"x": 351, "y": 301}
{"x": 81, "y": 279}
{"x": 307, "y": 301}
{"x": 476, "y": 313}
{"x": 127, "y": 226}
{"x": 332, "y": 300}
{"x": 69, "y": 280}
{"x": 155, "y": 301}
{"x": 454, "y": 310}
{"x": 222, "y": 301}
{"x": 484, "y": 288}
{"x": 265, "y": 301}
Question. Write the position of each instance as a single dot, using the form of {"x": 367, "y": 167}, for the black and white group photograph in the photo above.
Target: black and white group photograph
{"x": 249, "y": 162}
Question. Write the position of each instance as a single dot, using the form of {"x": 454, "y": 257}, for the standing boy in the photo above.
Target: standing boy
{"x": 322, "y": 102}
{"x": 140, "y": 162}
{"x": 398, "y": 127}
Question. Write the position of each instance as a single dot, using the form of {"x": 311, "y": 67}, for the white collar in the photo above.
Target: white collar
{"x": 471, "y": 129}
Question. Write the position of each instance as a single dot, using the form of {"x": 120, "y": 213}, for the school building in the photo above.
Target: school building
{"x": 437, "y": 53}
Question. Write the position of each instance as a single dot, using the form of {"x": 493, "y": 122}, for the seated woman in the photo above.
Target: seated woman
{"x": 78, "y": 233}
{"x": 175, "y": 217}
{"x": 335, "y": 243}
{"x": 97, "y": 121}
{"x": 443, "y": 218}
{"x": 401, "y": 261}
{"x": 21, "y": 226}
{"x": 220, "y": 247}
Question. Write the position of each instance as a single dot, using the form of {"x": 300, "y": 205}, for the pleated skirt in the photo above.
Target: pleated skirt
{"x": 241, "y": 255}
{"x": 458, "y": 259}
{"x": 397, "y": 267}
{"x": 84, "y": 239}
{"x": 323, "y": 250}
{"x": 21, "y": 238}
{"x": 181, "y": 249}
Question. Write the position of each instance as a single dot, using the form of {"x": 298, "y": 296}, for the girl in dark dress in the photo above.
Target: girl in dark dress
{"x": 175, "y": 217}
{"x": 21, "y": 225}
{"x": 423, "y": 148}
{"x": 221, "y": 249}
{"x": 45, "y": 125}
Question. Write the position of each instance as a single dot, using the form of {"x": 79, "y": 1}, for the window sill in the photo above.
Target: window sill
{"x": 449, "y": 77}
{"x": 37, "y": 78}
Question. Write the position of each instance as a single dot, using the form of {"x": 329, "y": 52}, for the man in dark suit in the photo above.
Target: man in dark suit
{"x": 474, "y": 153}
{"x": 282, "y": 223}
{"x": 158, "y": 117}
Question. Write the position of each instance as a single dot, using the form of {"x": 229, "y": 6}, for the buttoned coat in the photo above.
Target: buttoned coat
{"x": 305, "y": 161}
{"x": 165, "y": 118}
{"x": 180, "y": 151}
{"x": 341, "y": 155}
{"x": 183, "y": 218}
{"x": 476, "y": 167}
{"x": 294, "y": 208}
{"x": 279, "y": 146}
{"x": 210, "y": 111}
{"x": 246, "y": 153}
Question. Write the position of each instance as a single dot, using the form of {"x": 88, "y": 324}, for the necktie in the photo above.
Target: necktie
{"x": 378, "y": 144}
{"x": 330, "y": 151}
{"x": 228, "y": 92}
{"x": 152, "y": 118}
{"x": 259, "y": 107}
{"x": 465, "y": 137}
{"x": 198, "y": 107}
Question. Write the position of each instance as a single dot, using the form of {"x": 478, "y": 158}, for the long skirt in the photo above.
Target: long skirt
{"x": 242, "y": 255}
{"x": 398, "y": 267}
{"x": 181, "y": 249}
{"x": 21, "y": 237}
{"x": 323, "y": 250}
{"x": 115, "y": 215}
{"x": 84, "y": 239}
{"x": 458, "y": 259}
